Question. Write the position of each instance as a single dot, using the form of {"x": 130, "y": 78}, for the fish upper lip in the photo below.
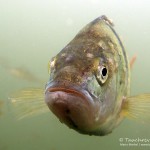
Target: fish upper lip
{"x": 69, "y": 89}
{"x": 66, "y": 90}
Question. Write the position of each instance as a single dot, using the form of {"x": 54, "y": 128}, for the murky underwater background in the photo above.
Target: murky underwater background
{"x": 31, "y": 32}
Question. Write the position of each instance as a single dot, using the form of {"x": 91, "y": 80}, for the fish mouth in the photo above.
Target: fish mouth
{"x": 71, "y": 91}
{"x": 72, "y": 105}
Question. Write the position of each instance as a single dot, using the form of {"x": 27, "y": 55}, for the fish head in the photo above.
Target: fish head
{"x": 82, "y": 88}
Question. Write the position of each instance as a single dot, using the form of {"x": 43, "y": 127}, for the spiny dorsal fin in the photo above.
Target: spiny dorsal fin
{"x": 132, "y": 61}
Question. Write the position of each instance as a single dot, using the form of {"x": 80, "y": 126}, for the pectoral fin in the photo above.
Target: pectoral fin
{"x": 28, "y": 102}
{"x": 137, "y": 107}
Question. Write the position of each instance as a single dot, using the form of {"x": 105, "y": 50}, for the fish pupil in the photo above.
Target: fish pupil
{"x": 104, "y": 72}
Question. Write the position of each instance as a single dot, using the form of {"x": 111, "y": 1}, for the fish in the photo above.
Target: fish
{"x": 89, "y": 83}
{"x": 20, "y": 72}
{"x": 24, "y": 74}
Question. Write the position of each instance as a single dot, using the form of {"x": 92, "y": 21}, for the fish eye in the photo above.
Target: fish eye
{"x": 102, "y": 74}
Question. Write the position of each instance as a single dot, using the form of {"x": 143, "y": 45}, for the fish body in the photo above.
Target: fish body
{"x": 89, "y": 80}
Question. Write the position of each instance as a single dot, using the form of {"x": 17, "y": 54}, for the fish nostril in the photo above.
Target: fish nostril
{"x": 69, "y": 59}
{"x": 67, "y": 111}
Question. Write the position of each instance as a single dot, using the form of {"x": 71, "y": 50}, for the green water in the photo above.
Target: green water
{"x": 32, "y": 31}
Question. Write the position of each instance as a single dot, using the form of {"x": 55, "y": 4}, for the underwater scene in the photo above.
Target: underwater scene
{"x": 62, "y": 89}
